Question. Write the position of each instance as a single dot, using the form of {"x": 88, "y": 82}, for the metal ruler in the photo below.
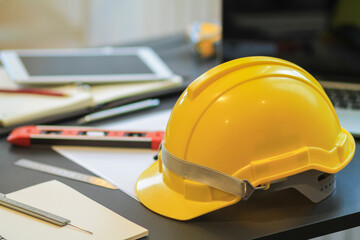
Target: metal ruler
{"x": 64, "y": 173}
{"x": 35, "y": 212}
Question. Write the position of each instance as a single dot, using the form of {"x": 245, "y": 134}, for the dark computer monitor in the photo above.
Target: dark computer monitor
{"x": 322, "y": 36}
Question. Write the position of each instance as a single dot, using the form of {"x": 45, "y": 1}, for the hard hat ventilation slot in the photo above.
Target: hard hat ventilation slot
{"x": 329, "y": 185}
{"x": 323, "y": 176}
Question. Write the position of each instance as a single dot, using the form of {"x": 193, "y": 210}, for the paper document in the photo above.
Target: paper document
{"x": 119, "y": 166}
{"x": 57, "y": 198}
{"x": 17, "y": 108}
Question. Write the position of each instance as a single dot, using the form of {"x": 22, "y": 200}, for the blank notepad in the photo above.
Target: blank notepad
{"x": 57, "y": 198}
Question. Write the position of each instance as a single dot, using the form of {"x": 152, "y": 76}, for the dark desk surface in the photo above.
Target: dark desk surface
{"x": 286, "y": 214}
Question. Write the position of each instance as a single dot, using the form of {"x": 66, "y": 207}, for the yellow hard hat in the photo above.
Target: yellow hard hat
{"x": 248, "y": 124}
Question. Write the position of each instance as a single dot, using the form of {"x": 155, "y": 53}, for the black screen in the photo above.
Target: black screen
{"x": 83, "y": 65}
{"x": 322, "y": 36}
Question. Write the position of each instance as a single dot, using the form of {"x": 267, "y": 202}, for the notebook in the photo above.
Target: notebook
{"x": 17, "y": 109}
{"x": 58, "y": 198}
{"x": 322, "y": 37}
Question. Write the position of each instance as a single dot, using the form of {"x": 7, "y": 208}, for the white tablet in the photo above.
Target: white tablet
{"x": 95, "y": 65}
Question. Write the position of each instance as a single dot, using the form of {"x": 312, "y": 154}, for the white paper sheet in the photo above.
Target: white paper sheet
{"x": 119, "y": 166}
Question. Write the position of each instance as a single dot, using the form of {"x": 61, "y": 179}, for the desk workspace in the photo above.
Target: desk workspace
{"x": 284, "y": 214}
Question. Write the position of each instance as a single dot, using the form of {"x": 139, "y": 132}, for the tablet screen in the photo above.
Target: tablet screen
{"x": 84, "y": 65}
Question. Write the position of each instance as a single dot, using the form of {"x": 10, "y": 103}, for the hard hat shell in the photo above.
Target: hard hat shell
{"x": 256, "y": 118}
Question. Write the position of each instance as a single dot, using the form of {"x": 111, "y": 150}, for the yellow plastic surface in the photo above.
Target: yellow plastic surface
{"x": 256, "y": 118}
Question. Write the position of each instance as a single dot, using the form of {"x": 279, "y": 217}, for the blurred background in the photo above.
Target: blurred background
{"x": 88, "y": 23}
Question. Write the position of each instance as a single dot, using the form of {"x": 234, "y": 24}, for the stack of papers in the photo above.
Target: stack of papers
{"x": 17, "y": 108}
{"x": 24, "y": 108}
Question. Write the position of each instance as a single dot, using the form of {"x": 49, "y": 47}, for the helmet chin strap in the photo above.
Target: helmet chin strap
{"x": 208, "y": 176}
{"x": 313, "y": 184}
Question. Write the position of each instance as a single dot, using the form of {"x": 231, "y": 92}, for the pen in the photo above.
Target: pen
{"x": 132, "y": 107}
{"x": 33, "y": 91}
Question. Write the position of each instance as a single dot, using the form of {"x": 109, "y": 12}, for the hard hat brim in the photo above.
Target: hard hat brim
{"x": 158, "y": 197}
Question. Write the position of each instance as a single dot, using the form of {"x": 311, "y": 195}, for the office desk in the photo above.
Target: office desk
{"x": 286, "y": 214}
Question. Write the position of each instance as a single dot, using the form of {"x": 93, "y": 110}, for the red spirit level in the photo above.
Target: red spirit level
{"x": 84, "y": 136}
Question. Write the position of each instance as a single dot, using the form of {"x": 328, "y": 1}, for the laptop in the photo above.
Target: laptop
{"x": 321, "y": 36}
